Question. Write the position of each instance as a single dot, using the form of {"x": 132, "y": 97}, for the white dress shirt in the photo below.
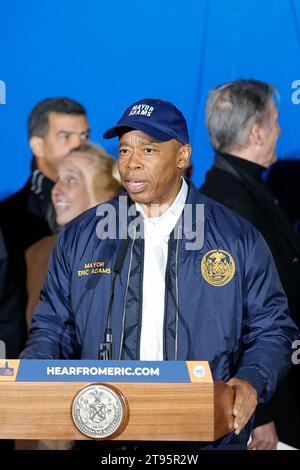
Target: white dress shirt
{"x": 157, "y": 232}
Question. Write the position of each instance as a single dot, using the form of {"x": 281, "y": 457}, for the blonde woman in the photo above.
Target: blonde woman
{"x": 84, "y": 179}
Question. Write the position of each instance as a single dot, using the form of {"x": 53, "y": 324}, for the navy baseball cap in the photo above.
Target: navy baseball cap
{"x": 159, "y": 119}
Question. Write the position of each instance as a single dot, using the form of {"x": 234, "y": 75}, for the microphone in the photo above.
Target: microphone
{"x": 107, "y": 348}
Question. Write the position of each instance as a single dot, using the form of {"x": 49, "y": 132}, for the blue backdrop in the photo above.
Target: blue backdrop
{"x": 107, "y": 54}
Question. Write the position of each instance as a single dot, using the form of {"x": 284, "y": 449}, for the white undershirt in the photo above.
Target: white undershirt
{"x": 157, "y": 232}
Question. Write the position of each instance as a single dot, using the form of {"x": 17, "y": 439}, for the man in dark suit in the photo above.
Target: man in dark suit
{"x": 55, "y": 127}
{"x": 241, "y": 118}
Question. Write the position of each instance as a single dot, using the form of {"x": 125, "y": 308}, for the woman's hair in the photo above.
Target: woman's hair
{"x": 104, "y": 180}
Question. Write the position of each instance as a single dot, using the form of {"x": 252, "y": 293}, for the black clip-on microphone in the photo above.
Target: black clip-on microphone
{"x": 107, "y": 348}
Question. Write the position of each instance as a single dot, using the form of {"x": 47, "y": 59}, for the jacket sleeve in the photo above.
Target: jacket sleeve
{"x": 264, "y": 414}
{"x": 52, "y": 335}
{"x": 268, "y": 331}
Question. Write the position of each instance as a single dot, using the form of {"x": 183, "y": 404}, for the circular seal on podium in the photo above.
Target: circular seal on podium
{"x": 100, "y": 411}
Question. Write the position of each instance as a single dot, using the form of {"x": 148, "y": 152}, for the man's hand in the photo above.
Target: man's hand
{"x": 245, "y": 402}
{"x": 264, "y": 437}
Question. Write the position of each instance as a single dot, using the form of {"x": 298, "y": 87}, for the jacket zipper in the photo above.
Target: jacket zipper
{"x": 141, "y": 301}
{"x": 125, "y": 297}
{"x": 177, "y": 294}
{"x": 176, "y": 300}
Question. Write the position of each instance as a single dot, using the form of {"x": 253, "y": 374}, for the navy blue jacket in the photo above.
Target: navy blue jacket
{"x": 224, "y": 301}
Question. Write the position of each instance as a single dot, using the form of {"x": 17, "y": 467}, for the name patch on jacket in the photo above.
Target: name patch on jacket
{"x": 95, "y": 267}
{"x": 217, "y": 267}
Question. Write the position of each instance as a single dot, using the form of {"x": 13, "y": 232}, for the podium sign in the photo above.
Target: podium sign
{"x": 123, "y": 400}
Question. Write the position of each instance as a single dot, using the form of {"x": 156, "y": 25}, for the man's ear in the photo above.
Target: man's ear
{"x": 185, "y": 152}
{"x": 37, "y": 146}
{"x": 256, "y": 134}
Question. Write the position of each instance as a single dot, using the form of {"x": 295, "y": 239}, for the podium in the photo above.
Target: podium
{"x": 172, "y": 401}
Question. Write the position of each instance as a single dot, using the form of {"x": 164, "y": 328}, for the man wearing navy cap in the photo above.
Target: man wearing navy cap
{"x": 155, "y": 129}
{"x": 196, "y": 282}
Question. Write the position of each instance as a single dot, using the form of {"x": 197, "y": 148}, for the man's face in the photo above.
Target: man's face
{"x": 65, "y": 133}
{"x": 150, "y": 170}
{"x": 270, "y": 133}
